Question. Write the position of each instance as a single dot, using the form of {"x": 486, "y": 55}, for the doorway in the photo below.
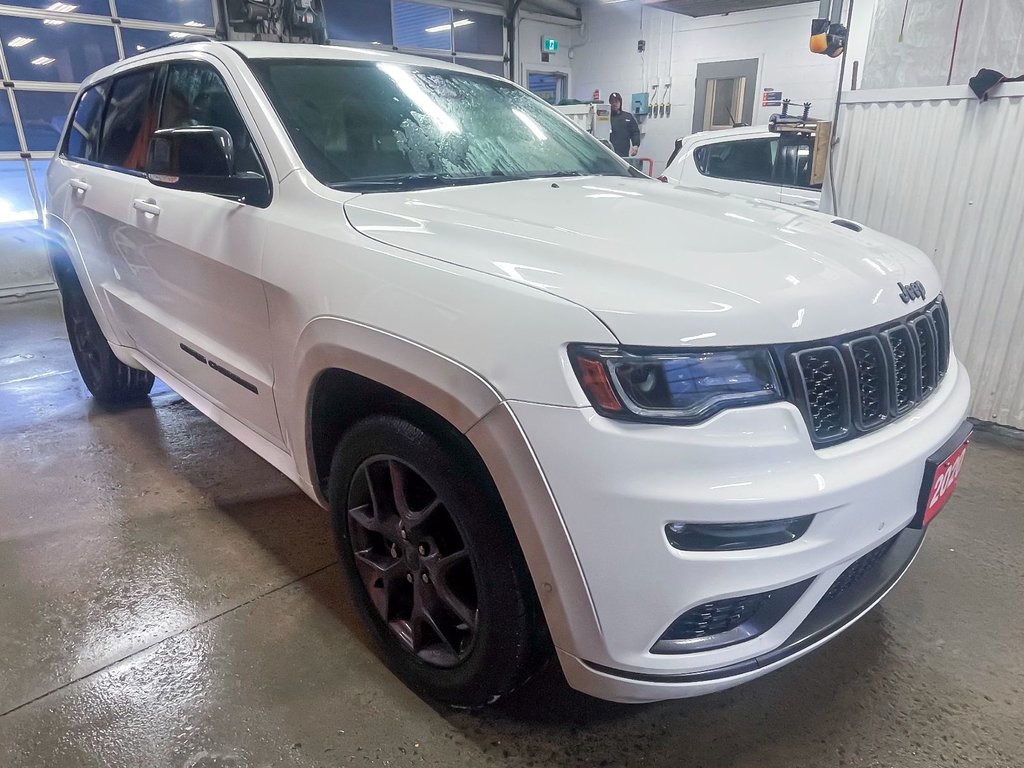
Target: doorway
{"x": 725, "y": 94}
{"x": 550, "y": 86}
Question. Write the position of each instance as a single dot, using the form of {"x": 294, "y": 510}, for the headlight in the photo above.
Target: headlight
{"x": 678, "y": 387}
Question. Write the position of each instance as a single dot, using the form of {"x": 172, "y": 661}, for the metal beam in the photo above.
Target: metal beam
{"x": 562, "y": 8}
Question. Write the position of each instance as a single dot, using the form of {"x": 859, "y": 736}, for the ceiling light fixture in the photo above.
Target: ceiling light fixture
{"x": 42, "y": 61}
{"x": 62, "y": 7}
{"x": 18, "y": 42}
{"x": 53, "y": 22}
{"x": 446, "y": 27}
{"x": 178, "y": 35}
{"x": 194, "y": 23}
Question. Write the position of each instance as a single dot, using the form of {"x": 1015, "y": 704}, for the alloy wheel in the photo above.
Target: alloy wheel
{"x": 413, "y": 561}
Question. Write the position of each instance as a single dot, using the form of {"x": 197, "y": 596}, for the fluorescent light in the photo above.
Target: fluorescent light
{"x": 62, "y": 7}
{"x": 194, "y": 24}
{"x": 9, "y": 214}
{"x": 178, "y": 35}
{"x": 446, "y": 27}
{"x": 53, "y": 22}
{"x": 18, "y": 42}
{"x": 42, "y": 61}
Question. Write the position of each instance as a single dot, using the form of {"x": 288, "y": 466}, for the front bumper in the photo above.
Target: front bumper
{"x": 828, "y": 618}
{"x": 615, "y": 486}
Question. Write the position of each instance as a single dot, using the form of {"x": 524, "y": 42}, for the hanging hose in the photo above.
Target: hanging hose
{"x": 956, "y": 39}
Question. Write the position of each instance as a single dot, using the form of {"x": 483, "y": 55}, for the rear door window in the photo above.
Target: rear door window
{"x": 130, "y": 121}
{"x": 83, "y": 142}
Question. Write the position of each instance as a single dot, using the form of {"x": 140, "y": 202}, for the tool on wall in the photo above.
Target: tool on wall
{"x": 284, "y": 20}
{"x": 243, "y": 14}
{"x": 828, "y": 34}
{"x": 304, "y": 19}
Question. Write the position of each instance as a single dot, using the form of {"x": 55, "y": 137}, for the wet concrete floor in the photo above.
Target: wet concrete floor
{"x": 168, "y": 599}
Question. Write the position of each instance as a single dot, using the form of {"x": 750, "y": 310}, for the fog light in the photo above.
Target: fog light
{"x": 720, "y": 623}
{"x": 718, "y": 537}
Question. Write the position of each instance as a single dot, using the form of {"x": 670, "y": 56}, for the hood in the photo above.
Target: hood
{"x": 660, "y": 266}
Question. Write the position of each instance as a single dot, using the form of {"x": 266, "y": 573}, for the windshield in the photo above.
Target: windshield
{"x": 370, "y": 126}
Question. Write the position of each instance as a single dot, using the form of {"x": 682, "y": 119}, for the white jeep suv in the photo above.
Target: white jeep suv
{"x": 541, "y": 420}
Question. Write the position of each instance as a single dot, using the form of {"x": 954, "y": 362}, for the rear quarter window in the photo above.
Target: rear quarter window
{"x": 83, "y": 138}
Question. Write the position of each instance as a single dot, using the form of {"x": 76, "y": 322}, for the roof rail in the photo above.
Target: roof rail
{"x": 179, "y": 41}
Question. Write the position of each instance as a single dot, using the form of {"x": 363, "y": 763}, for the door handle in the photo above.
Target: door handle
{"x": 147, "y": 206}
{"x": 808, "y": 204}
{"x": 80, "y": 185}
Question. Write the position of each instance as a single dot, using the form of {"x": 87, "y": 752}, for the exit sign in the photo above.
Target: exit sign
{"x": 549, "y": 45}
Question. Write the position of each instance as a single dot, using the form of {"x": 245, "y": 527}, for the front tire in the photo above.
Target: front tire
{"x": 109, "y": 380}
{"x": 432, "y": 562}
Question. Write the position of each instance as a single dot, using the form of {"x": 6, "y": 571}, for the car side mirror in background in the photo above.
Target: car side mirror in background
{"x": 202, "y": 159}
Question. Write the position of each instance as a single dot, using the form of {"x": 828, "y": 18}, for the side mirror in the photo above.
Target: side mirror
{"x": 202, "y": 159}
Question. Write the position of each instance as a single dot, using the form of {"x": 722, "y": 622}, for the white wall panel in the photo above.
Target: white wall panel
{"x": 606, "y": 59}
{"x": 912, "y": 41}
{"x": 941, "y": 170}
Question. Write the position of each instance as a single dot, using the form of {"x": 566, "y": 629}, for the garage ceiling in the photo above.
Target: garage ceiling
{"x": 719, "y": 7}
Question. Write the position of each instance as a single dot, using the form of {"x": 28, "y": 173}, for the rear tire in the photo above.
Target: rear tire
{"x": 109, "y": 380}
{"x": 432, "y": 562}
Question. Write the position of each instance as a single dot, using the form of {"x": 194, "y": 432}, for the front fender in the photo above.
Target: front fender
{"x": 470, "y": 404}
{"x": 457, "y": 394}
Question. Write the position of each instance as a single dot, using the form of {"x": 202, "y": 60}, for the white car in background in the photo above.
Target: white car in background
{"x": 747, "y": 161}
{"x": 415, "y": 290}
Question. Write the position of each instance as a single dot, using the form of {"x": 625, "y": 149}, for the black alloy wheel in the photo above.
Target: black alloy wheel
{"x": 431, "y": 559}
{"x": 109, "y": 380}
{"x": 413, "y": 561}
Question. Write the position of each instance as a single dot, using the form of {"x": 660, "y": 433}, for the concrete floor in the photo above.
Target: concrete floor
{"x": 167, "y": 599}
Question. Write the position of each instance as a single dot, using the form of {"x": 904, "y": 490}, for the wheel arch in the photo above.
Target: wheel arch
{"x": 350, "y": 370}
{"x": 71, "y": 275}
{"x": 61, "y": 251}
{"x": 405, "y": 375}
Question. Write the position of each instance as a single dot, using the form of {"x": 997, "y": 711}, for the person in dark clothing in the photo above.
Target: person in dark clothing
{"x": 625, "y": 136}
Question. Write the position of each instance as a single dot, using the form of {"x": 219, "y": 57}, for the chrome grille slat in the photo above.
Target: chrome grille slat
{"x": 855, "y": 384}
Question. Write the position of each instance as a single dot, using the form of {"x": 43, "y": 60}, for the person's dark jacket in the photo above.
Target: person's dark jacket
{"x": 625, "y": 132}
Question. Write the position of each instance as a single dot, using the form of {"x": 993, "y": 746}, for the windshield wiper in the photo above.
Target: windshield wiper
{"x": 414, "y": 181}
{"x": 552, "y": 175}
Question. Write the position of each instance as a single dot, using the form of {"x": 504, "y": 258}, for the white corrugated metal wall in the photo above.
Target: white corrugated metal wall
{"x": 937, "y": 168}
